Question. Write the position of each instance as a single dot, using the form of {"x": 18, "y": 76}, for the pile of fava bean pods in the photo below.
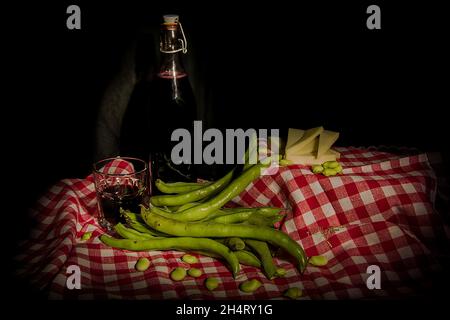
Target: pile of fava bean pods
{"x": 191, "y": 217}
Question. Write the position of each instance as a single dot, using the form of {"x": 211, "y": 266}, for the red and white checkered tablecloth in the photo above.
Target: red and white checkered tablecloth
{"x": 379, "y": 212}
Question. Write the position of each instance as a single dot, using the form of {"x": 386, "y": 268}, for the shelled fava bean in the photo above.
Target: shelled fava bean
{"x": 293, "y": 293}
{"x": 142, "y": 264}
{"x": 250, "y": 285}
{"x": 329, "y": 168}
{"x": 211, "y": 283}
{"x": 318, "y": 261}
{"x": 189, "y": 259}
{"x": 178, "y": 274}
{"x": 194, "y": 272}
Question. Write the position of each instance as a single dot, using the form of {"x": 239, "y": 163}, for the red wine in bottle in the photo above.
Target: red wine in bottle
{"x": 159, "y": 106}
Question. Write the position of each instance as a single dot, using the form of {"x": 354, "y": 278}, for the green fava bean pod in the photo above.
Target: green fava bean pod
{"x": 176, "y": 243}
{"x": 262, "y": 250}
{"x": 220, "y": 230}
{"x": 135, "y": 221}
{"x": 128, "y": 233}
{"x": 247, "y": 258}
{"x": 178, "y": 187}
{"x": 202, "y": 210}
{"x": 265, "y": 211}
{"x": 192, "y": 196}
{"x": 234, "y": 243}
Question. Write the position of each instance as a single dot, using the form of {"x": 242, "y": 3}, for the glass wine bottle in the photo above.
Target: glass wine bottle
{"x": 159, "y": 106}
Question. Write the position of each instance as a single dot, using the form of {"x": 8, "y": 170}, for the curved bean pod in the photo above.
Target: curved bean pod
{"x": 259, "y": 220}
{"x": 247, "y": 258}
{"x": 234, "y": 243}
{"x": 186, "y": 206}
{"x": 265, "y": 211}
{"x": 232, "y": 190}
{"x": 262, "y": 250}
{"x": 181, "y": 243}
{"x": 192, "y": 196}
{"x": 249, "y": 216}
{"x": 220, "y": 230}
{"x": 134, "y": 221}
{"x": 128, "y": 233}
{"x": 178, "y": 187}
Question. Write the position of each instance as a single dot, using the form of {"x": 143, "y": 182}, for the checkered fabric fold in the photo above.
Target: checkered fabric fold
{"x": 380, "y": 211}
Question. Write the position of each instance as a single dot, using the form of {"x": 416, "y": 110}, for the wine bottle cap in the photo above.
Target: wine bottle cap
{"x": 170, "y": 18}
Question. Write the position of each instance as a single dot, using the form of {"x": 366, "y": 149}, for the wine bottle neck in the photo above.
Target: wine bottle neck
{"x": 171, "y": 66}
{"x": 172, "y": 39}
{"x": 171, "y": 47}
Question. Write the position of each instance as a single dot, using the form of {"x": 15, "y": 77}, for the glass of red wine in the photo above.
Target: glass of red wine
{"x": 120, "y": 183}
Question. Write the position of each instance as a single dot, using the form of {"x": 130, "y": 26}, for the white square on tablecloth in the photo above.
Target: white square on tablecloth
{"x": 328, "y": 210}
{"x": 336, "y": 268}
{"x": 382, "y": 258}
{"x": 287, "y": 175}
{"x": 321, "y": 281}
{"x": 262, "y": 199}
{"x": 359, "y": 260}
{"x": 420, "y": 209}
{"x": 336, "y": 183}
{"x": 386, "y": 165}
{"x": 388, "y": 191}
{"x": 372, "y": 239}
{"x": 297, "y": 195}
{"x": 405, "y": 252}
{"x": 404, "y": 162}
{"x": 409, "y": 188}
{"x": 346, "y": 204}
{"x": 345, "y": 280}
{"x": 290, "y": 226}
{"x": 308, "y": 217}
{"x": 367, "y": 197}
{"x": 316, "y": 187}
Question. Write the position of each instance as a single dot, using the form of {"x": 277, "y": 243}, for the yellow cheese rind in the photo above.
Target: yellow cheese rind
{"x": 308, "y": 136}
{"x": 326, "y": 140}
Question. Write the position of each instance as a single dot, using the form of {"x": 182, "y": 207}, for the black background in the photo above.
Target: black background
{"x": 269, "y": 64}
{"x": 262, "y": 65}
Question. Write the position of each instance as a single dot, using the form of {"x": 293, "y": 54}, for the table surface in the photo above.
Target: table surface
{"x": 380, "y": 212}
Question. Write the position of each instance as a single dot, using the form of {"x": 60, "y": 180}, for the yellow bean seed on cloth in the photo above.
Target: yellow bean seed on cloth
{"x": 178, "y": 274}
{"x": 293, "y": 293}
{"x": 194, "y": 272}
{"x": 250, "y": 285}
{"x": 211, "y": 283}
{"x": 189, "y": 259}
{"x": 318, "y": 261}
{"x": 142, "y": 264}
